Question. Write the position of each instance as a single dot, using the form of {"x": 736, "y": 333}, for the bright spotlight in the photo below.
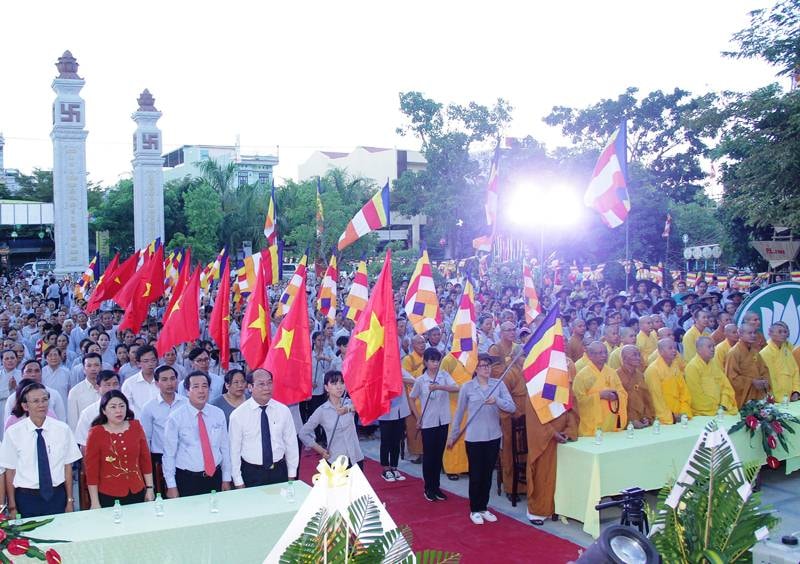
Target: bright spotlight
{"x": 550, "y": 205}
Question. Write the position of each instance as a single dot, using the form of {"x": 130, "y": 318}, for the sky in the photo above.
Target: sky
{"x": 289, "y": 78}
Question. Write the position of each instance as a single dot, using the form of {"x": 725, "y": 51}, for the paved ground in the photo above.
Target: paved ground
{"x": 778, "y": 490}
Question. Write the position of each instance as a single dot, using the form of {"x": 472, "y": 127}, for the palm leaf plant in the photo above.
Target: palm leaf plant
{"x": 711, "y": 514}
{"x": 327, "y": 537}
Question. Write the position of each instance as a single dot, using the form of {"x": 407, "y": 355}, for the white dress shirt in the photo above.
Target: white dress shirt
{"x": 214, "y": 391}
{"x": 245, "y": 436}
{"x": 127, "y": 370}
{"x": 81, "y": 396}
{"x": 139, "y": 391}
{"x": 182, "y": 441}
{"x": 18, "y": 451}
{"x": 56, "y": 405}
{"x": 89, "y": 413}
{"x": 154, "y": 418}
{"x": 57, "y": 379}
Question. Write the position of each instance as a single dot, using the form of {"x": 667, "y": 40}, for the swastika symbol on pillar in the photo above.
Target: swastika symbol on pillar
{"x": 150, "y": 141}
{"x": 70, "y": 112}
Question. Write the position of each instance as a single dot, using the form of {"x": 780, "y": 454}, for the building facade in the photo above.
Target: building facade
{"x": 249, "y": 169}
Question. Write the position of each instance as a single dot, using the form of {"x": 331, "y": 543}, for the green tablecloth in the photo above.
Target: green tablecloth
{"x": 250, "y": 521}
{"x": 588, "y": 472}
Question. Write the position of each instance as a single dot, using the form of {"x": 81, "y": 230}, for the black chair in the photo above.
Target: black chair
{"x": 519, "y": 454}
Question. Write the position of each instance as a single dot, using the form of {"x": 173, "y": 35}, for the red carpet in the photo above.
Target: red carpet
{"x": 445, "y": 525}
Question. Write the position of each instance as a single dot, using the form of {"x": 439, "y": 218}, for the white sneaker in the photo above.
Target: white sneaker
{"x": 476, "y": 518}
{"x": 388, "y": 475}
{"x": 536, "y": 519}
{"x": 488, "y": 516}
{"x": 398, "y": 476}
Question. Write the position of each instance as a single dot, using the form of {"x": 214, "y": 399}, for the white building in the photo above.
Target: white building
{"x": 8, "y": 176}
{"x": 250, "y": 169}
{"x": 377, "y": 164}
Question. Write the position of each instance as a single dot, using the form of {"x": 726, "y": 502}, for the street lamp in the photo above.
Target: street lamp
{"x": 686, "y": 253}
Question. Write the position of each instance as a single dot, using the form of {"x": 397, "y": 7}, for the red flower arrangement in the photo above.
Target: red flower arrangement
{"x": 15, "y": 541}
{"x": 765, "y": 416}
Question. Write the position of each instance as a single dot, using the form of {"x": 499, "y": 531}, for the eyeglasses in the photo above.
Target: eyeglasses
{"x": 484, "y": 365}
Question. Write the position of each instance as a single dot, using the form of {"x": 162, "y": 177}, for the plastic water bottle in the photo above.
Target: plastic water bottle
{"x": 684, "y": 420}
{"x": 785, "y": 401}
{"x": 290, "y": 491}
{"x": 18, "y": 520}
{"x": 629, "y": 430}
{"x": 598, "y": 437}
{"x": 158, "y": 504}
{"x": 720, "y": 414}
{"x": 657, "y": 427}
{"x": 117, "y": 512}
{"x": 213, "y": 502}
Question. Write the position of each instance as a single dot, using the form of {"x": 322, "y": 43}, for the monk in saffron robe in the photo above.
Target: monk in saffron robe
{"x": 646, "y": 340}
{"x": 507, "y": 356}
{"x": 784, "y": 376}
{"x": 752, "y": 318}
{"x": 718, "y": 335}
{"x": 412, "y": 364}
{"x": 731, "y": 332}
{"x": 602, "y": 399}
{"x": 543, "y": 441}
{"x": 626, "y": 337}
{"x": 640, "y": 405}
{"x": 707, "y": 383}
{"x": 696, "y": 331}
{"x": 745, "y": 368}
{"x": 575, "y": 348}
{"x": 667, "y": 387}
{"x": 455, "y": 458}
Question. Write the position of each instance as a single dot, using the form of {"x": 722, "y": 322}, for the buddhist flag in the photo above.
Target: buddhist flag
{"x": 180, "y": 283}
{"x": 212, "y": 269}
{"x": 372, "y": 216}
{"x": 608, "y": 189}
{"x": 101, "y": 290}
{"x": 247, "y": 274}
{"x": 667, "y": 226}
{"x": 359, "y": 294}
{"x": 219, "y": 325}
{"x": 289, "y": 357}
{"x": 465, "y": 332}
{"x": 484, "y": 242}
{"x": 270, "y": 228}
{"x": 422, "y": 303}
{"x": 172, "y": 269}
{"x": 149, "y": 288}
{"x": 320, "y": 212}
{"x": 183, "y": 323}
{"x": 91, "y": 273}
{"x": 254, "y": 340}
{"x": 532, "y": 306}
{"x": 545, "y": 369}
{"x": 326, "y": 301}
{"x": 293, "y": 287}
{"x": 371, "y": 365}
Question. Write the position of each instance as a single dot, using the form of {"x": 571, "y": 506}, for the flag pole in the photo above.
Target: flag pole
{"x": 627, "y": 254}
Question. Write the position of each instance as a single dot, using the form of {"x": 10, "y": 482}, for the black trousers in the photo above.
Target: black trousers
{"x": 482, "y": 457}
{"x": 31, "y": 504}
{"x": 197, "y": 483}
{"x": 256, "y": 475}
{"x": 108, "y": 500}
{"x": 391, "y": 437}
{"x": 434, "y": 440}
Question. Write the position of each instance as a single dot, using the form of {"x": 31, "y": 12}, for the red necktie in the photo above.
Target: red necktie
{"x": 205, "y": 445}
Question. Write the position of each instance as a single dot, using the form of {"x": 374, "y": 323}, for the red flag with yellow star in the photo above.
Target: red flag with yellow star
{"x": 183, "y": 324}
{"x": 372, "y": 364}
{"x": 183, "y": 279}
{"x": 101, "y": 288}
{"x": 219, "y": 326}
{"x": 255, "y": 337}
{"x": 289, "y": 357}
{"x": 112, "y": 282}
{"x": 149, "y": 288}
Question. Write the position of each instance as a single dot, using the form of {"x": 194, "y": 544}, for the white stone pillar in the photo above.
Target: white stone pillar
{"x": 148, "y": 174}
{"x": 69, "y": 169}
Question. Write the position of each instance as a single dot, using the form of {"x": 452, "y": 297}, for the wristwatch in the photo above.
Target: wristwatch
{"x": 70, "y": 500}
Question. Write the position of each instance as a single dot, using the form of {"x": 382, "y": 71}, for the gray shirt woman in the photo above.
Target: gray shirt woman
{"x": 437, "y": 411}
{"x": 486, "y": 423}
{"x": 339, "y": 429}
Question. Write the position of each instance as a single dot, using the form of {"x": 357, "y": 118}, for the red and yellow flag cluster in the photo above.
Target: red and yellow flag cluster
{"x": 465, "y": 331}
{"x": 326, "y": 301}
{"x": 422, "y": 303}
{"x": 359, "y": 293}
{"x": 545, "y": 369}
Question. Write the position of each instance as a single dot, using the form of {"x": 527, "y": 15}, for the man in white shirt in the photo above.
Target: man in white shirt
{"x": 84, "y": 393}
{"x": 78, "y": 333}
{"x": 38, "y": 453}
{"x": 154, "y": 417}
{"x": 33, "y": 371}
{"x": 171, "y": 360}
{"x": 140, "y": 388}
{"x": 132, "y": 366}
{"x": 201, "y": 361}
{"x": 107, "y": 380}
{"x": 263, "y": 438}
{"x": 9, "y": 376}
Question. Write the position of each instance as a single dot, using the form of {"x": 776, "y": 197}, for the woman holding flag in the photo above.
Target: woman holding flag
{"x": 483, "y": 398}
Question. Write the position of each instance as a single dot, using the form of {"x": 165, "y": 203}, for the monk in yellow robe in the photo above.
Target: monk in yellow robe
{"x": 640, "y": 405}
{"x": 745, "y": 368}
{"x": 626, "y": 337}
{"x": 506, "y": 355}
{"x": 602, "y": 399}
{"x": 666, "y": 333}
{"x": 543, "y": 440}
{"x": 611, "y": 338}
{"x": 784, "y": 376}
{"x": 414, "y": 366}
{"x": 701, "y": 323}
{"x": 718, "y": 335}
{"x": 667, "y": 386}
{"x": 575, "y": 348}
{"x": 731, "y": 332}
{"x": 455, "y": 458}
{"x": 646, "y": 340}
{"x": 707, "y": 383}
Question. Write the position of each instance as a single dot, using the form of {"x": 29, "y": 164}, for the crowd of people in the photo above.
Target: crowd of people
{"x": 84, "y": 402}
